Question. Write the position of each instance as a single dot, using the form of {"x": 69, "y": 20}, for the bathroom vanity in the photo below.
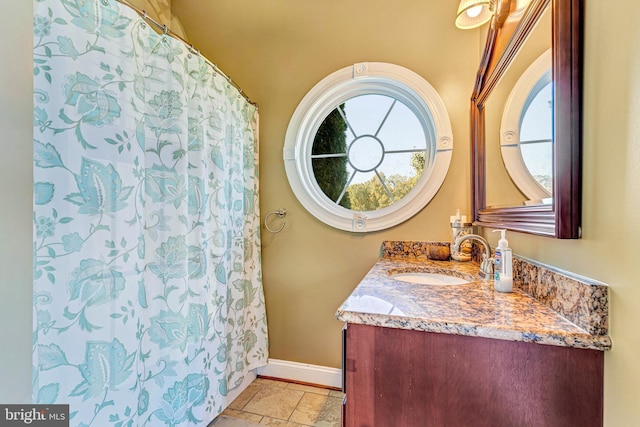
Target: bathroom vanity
{"x": 464, "y": 355}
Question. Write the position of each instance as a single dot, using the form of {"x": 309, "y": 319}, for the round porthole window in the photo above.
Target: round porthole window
{"x": 368, "y": 147}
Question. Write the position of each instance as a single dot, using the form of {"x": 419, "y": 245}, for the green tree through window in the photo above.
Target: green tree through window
{"x": 331, "y": 172}
{"x": 371, "y": 195}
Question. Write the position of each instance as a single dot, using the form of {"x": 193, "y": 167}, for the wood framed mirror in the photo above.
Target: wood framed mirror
{"x": 509, "y": 30}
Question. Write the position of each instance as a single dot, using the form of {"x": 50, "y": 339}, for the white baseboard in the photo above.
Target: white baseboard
{"x": 303, "y": 372}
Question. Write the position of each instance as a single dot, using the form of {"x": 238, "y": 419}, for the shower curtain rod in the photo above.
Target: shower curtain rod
{"x": 166, "y": 30}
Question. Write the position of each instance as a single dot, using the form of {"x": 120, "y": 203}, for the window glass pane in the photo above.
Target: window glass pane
{"x": 366, "y": 112}
{"x": 402, "y": 130}
{"x": 331, "y": 137}
{"x": 369, "y": 195}
{"x": 329, "y": 157}
{"x": 375, "y": 144}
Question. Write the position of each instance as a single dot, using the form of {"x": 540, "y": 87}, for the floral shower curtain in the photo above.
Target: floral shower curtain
{"x": 148, "y": 302}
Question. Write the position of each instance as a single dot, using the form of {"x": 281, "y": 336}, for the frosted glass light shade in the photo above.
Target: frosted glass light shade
{"x": 473, "y": 13}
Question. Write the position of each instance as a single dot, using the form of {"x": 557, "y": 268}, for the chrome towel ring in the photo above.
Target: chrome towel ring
{"x": 281, "y": 214}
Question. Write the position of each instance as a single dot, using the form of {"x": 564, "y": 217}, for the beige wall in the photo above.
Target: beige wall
{"x": 277, "y": 50}
{"x": 310, "y": 268}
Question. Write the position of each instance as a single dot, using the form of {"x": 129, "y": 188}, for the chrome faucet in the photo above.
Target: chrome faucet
{"x": 486, "y": 266}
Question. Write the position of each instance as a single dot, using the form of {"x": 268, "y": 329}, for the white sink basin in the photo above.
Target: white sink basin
{"x": 425, "y": 278}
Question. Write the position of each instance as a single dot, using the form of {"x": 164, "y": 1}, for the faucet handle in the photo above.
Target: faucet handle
{"x": 486, "y": 266}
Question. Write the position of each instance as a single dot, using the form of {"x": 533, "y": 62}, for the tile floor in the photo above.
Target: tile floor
{"x": 278, "y": 403}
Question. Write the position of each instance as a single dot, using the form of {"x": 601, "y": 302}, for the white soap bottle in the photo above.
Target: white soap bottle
{"x": 503, "y": 268}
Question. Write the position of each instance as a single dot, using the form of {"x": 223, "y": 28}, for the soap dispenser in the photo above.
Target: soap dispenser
{"x": 503, "y": 269}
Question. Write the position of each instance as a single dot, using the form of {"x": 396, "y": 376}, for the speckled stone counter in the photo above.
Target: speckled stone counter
{"x": 472, "y": 309}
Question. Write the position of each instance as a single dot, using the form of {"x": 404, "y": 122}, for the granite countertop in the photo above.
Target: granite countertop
{"x": 472, "y": 309}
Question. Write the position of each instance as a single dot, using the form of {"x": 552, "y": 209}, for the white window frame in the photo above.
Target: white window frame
{"x": 363, "y": 79}
{"x": 510, "y": 129}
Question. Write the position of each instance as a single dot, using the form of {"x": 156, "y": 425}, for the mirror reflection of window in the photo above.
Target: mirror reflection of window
{"x": 369, "y": 152}
{"x": 526, "y": 132}
{"x": 536, "y": 133}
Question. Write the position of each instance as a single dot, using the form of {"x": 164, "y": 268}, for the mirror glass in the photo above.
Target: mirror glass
{"x": 519, "y": 142}
{"x": 536, "y": 134}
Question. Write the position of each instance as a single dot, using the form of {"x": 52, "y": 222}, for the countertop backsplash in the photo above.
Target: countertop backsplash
{"x": 580, "y": 300}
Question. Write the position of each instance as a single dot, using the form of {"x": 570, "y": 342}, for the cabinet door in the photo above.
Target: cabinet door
{"x": 393, "y": 377}
{"x": 404, "y": 378}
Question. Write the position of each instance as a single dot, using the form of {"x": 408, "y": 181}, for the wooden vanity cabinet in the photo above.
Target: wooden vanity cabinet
{"x": 406, "y": 378}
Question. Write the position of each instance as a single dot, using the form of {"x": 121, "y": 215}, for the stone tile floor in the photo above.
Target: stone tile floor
{"x": 278, "y": 403}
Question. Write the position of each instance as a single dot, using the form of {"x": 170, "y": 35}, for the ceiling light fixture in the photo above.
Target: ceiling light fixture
{"x": 473, "y": 13}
